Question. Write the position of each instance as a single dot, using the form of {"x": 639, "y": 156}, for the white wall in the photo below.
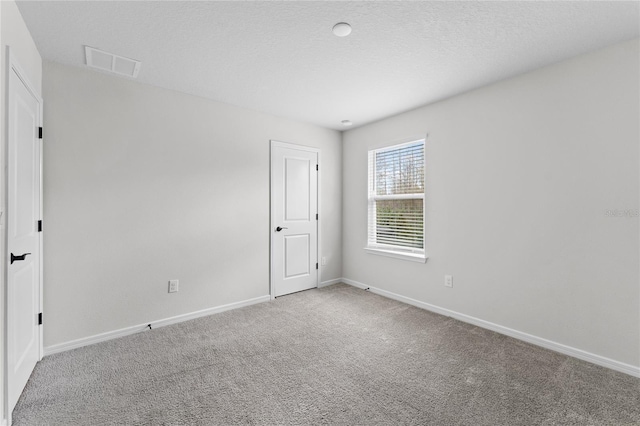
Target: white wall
{"x": 13, "y": 33}
{"x": 519, "y": 177}
{"x": 143, "y": 185}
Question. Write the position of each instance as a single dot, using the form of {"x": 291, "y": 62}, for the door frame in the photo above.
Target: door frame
{"x": 272, "y": 224}
{"x": 14, "y": 66}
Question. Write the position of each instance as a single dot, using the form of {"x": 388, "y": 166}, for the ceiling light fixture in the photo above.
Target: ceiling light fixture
{"x": 342, "y": 29}
{"x": 346, "y": 123}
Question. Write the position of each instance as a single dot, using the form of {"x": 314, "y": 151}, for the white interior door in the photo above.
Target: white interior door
{"x": 294, "y": 223}
{"x": 23, "y": 242}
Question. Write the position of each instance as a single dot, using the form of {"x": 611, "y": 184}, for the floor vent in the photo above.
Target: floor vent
{"x": 112, "y": 63}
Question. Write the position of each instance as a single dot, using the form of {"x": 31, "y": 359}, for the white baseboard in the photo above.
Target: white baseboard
{"x": 73, "y": 344}
{"x": 330, "y": 282}
{"x": 539, "y": 341}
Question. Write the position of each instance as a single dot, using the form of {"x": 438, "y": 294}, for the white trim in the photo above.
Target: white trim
{"x": 319, "y": 221}
{"x": 382, "y": 144}
{"x": 622, "y": 367}
{"x": 103, "y": 337}
{"x": 412, "y": 196}
{"x": 41, "y": 233}
{"x": 413, "y": 257}
{"x": 293, "y": 146}
{"x": 329, "y": 282}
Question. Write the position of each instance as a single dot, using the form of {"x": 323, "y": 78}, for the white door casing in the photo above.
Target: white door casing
{"x": 23, "y": 262}
{"x": 294, "y": 220}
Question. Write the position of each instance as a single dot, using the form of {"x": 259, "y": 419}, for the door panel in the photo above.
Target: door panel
{"x": 25, "y": 336}
{"x": 297, "y": 189}
{"x": 23, "y": 207}
{"x": 294, "y": 205}
{"x": 296, "y": 248}
{"x": 23, "y": 213}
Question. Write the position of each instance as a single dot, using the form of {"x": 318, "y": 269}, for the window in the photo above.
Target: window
{"x": 396, "y": 201}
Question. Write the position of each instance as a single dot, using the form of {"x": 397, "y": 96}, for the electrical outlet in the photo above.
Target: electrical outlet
{"x": 173, "y": 286}
{"x": 448, "y": 280}
{"x": 324, "y": 261}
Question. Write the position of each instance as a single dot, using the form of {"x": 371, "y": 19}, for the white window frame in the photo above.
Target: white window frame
{"x": 398, "y": 252}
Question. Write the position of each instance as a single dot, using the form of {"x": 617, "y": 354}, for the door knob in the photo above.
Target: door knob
{"x": 280, "y": 228}
{"x": 21, "y": 257}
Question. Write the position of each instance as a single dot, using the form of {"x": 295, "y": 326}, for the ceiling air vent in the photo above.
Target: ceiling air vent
{"x": 112, "y": 63}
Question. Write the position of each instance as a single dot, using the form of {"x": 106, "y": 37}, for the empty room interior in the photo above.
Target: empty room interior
{"x": 356, "y": 213}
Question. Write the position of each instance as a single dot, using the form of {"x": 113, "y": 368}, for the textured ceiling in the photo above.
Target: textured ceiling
{"x": 282, "y": 58}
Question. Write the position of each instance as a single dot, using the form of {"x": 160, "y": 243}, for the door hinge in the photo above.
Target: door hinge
{"x": 39, "y": 132}
{"x": 40, "y": 318}
{"x": 39, "y": 226}
{"x": 317, "y": 167}
{"x": 316, "y": 265}
{"x": 316, "y": 216}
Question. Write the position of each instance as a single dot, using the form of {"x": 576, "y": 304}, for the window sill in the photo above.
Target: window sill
{"x": 413, "y": 257}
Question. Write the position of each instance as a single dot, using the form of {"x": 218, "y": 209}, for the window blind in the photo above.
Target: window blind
{"x": 396, "y": 197}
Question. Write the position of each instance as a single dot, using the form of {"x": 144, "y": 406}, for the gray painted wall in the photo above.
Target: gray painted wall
{"x": 520, "y": 176}
{"x": 143, "y": 185}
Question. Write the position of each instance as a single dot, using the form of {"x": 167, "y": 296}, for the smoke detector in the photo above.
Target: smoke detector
{"x": 342, "y": 29}
{"x": 109, "y": 62}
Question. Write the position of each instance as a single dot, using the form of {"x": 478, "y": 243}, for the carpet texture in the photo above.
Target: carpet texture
{"x": 336, "y": 355}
